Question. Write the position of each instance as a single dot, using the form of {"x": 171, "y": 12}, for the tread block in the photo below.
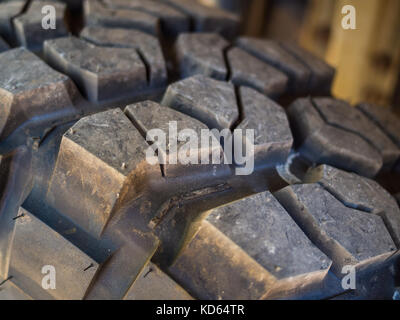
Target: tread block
{"x": 153, "y": 284}
{"x": 15, "y": 182}
{"x": 35, "y": 245}
{"x": 254, "y": 235}
{"x": 210, "y": 54}
{"x": 202, "y": 53}
{"x": 211, "y": 101}
{"x": 340, "y": 114}
{"x": 249, "y": 71}
{"x": 28, "y": 26}
{"x": 7, "y": 226}
{"x": 98, "y": 156}
{"x": 322, "y": 74}
{"x": 30, "y": 88}
{"x": 9, "y": 291}
{"x": 384, "y": 118}
{"x": 206, "y": 19}
{"x": 265, "y": 231}
{"x": 97, "y": 14}
{"x": 271, "y": 52}
{"x": 172, "y": 21}
{"x": 304, "y": 120}
{"x": 323, "y": 143}
{"x": 148, "y": 47}
{"x": 119, "y": 271}
{"x": 3, "y": 45}
{"x": 270, "y": 124}
{"x": 102, "y": 73}
{"x": 8, "y": 10}
{"x": 149, "y": 115}
{"x": 361, "y": 193}
{"x": 212, "y": 267}
{"x": 346, "y": 235}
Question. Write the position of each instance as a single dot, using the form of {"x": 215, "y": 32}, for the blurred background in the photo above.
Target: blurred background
{"x": 367, "y": 59}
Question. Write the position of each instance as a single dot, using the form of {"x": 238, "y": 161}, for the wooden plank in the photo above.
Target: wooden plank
{"x": 367, "y": 58}
{"x": 315, "y": 31}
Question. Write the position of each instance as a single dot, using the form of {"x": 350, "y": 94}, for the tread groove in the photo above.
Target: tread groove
{"x": 228, "y": 66}
{"x": 147, "y": 65}
{"x": 363, "y": 209}
{"x": 143, "y": 133}
{"x": 24, "y": 9}
{"x": 239, "y": 104}
{"x": 342, "y": 128}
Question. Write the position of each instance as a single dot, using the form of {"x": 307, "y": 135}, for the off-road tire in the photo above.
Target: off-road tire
{"x": 77, "y": 193}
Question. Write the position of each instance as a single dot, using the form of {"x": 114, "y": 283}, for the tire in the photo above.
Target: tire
{"x": 332, "y": 132}
{"x": 74, "y": 175}
{"x": 397, "y": 196}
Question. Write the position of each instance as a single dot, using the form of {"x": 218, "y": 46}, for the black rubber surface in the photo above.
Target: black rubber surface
{"x": 77, "y": 193}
